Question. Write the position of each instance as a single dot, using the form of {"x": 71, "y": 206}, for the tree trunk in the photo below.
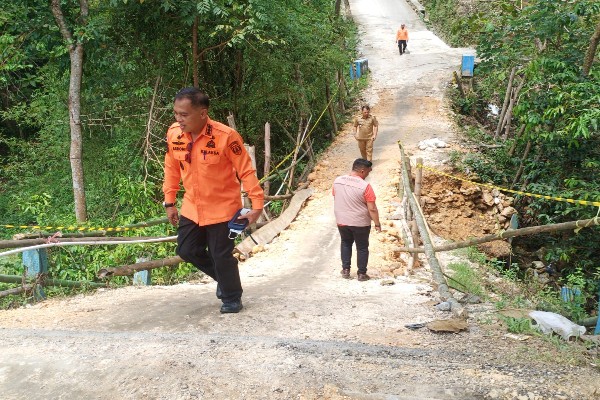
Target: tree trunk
{"x": 331, "y": 112}
{"x": 522, "y": 165}
{"x": 298, "y": 141}
{"x": 511, "y": 152}
{"x": 537, "y": 158}
{"x": 195, "y": 52}
{"x": 76, "y": 57}
{"x": 591, "y": 51}
{"x": 341, "y": 90}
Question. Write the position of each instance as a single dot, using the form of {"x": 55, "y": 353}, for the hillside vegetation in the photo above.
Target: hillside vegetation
{"x": 259, "y": 61}
{"x": 535, "y": 108}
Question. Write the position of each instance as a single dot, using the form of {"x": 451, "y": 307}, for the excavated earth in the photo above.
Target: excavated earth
{"x": 306, "y": 333}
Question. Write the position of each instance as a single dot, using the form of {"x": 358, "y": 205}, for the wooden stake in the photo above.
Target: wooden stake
{"x": 267, "y": 168}
{"x": 505, "y": 104}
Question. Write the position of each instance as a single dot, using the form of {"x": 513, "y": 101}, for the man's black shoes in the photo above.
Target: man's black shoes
{"x": 231, "y": 306}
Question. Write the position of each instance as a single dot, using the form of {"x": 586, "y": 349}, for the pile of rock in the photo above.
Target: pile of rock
{"x": 541, "y": 273}
{"x": 498, "y": 204}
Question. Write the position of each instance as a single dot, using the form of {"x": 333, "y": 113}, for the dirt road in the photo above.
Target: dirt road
{"x": 304, "y": 333}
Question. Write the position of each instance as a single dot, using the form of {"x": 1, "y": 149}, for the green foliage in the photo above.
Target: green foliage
{"x": 465, "y": 279}
{"x": 546, "y": 42}
{"x": 517, "y": 325}
{"x": 261, "y": 60}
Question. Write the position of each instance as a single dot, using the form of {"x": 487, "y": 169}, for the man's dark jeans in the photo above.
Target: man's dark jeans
{"x": 402, "y": 46}
{"x": 360, "y": 236}
{"x": 210, "y": 250}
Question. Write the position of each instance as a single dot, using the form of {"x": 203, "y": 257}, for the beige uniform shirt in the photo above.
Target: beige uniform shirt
{"x": 365, "y": 130}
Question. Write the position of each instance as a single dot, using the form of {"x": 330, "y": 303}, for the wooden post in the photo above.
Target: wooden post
{"x": 505, "y": 104}
{"x": 251, "y": 151}
{"x": 511, "y": 104}
{"x": 231, "y": 121}
{"x": 267, "y": 169}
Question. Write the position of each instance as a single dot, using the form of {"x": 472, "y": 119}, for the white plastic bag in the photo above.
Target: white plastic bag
{"x": 549, "y": 322}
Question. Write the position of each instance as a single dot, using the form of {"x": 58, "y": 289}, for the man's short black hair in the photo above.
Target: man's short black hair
{"x": 365, "y": 107}
{"x": 361, "y": 163}
{"x": 197, "y": 97}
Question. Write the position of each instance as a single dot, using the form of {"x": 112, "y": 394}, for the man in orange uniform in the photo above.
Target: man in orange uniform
{"x": 206, "y": 155}
{"x": 402, "y": 39}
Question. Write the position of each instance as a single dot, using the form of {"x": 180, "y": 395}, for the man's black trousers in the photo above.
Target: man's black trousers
{"x": 210, "y": 250}
{"x": 402, "y": 46}
{"x": 360, "y": 236}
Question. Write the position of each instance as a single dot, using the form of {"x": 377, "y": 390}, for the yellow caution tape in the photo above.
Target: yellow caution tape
{"x": 539, "y": 196}
{"x": 70, "y": 228}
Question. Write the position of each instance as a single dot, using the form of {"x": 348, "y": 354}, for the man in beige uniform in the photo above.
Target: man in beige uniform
{"x": 366, "y": 132}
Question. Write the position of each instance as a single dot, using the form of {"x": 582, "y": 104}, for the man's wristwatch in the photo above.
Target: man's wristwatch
{"x": 167, "y": 205}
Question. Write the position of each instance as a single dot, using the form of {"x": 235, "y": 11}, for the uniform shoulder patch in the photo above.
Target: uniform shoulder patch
{"x": 235, "y": 147}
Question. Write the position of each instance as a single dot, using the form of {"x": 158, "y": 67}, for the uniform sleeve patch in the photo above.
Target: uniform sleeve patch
{"x": 235, "y": 147}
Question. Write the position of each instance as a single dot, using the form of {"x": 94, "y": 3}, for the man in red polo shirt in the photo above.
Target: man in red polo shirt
{"x": 354, "y": 208}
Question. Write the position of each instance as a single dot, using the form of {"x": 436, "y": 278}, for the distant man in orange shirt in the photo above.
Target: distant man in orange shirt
{"x": 207, "y": 155}
{"x": 402, "y": 39}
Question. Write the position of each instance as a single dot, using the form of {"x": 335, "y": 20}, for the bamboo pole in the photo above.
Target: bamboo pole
{"x": 10, "y": 244}
{"x": 436, "y": 269}
{"x": 93, "y": 233}
{"x": 280, "y": 197}
{"x": 532, "y": 230}
{"x": 49, "y": 282}
{"x": 419, "y": 179}
{"x": 126, "y": 270}
{"x": 17, "y": 290}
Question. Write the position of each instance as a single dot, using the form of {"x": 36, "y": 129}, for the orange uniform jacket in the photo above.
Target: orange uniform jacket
{"x": 402, "y": 34}
{"x": 212, "y": 190}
